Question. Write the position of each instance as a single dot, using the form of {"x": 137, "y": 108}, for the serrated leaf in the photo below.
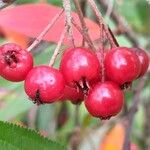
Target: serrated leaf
{"x": 23, "y": 139}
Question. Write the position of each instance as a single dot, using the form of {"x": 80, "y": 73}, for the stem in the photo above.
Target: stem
{"x": 77, "y": 122}
{"x": 83, "y": 24}
{"x": 109, "y": 10}
{"x": 109, "y": 34}
{"x": 102, "y": 53}
{"x": 130, "y": 117}
{"x": 67, "y": 8}
{"x": 146, "y": 133}
{"x": 123, "y": 26}
{"x": 82, "y": 33}
{"x": 5, "y": 3}
{"x": 83, "y": 8}
{"x": 44, "y": 32}
{"x": 56, "y": 51}
{"x": 75, "y": 137}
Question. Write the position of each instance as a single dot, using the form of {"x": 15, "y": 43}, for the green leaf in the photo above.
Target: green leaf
{"x": 55, "y": 2}
{"x": 13, "y": 137}
{"x": 47, "y": 122}
{"x": 26, "y": 1}
{"x": 86, "y": 121}
{"x": 7, "y": 146}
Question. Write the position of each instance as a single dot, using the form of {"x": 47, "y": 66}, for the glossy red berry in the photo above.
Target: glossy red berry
{"x": 15, "y": 62}
{"x": 104, "y": 100}
{"x": 44, "y": 84}
{"x": 122, "y": 65}
{"x": 72, "y": 94}
{"x": 79, "y": 65}
{"x": 144, "y": 60}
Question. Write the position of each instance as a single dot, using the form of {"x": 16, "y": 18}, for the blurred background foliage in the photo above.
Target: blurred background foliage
{"x": 58, "y": 120}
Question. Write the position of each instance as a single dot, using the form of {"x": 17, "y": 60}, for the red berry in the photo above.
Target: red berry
{"x": 134, "y": 146}
{"x": 15, "y": 62}
{"x": 144, "y": 60}
{"x": 44, "y": 84}
{"x": 79, "y": 65}
{"x": 122, "y": 65}
{"x": 104, "y": 100}
{"x": 72, "y": 94}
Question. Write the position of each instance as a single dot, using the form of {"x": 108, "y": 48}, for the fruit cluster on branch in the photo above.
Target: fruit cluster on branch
{"x": 96, "y": 77}
{"x": 79, "y": 77}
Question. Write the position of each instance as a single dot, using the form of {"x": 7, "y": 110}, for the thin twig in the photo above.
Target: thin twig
{"x": 124, "y": 27}
{"x": 56, "y": 51}
{"x": 77, "y": 108}
{"x": 146, "y": 126}
{"x": 109, "y": 34}
{"x": 101, "y": 50}
{"x": 83, "y": 24}
{"x": 67, "y": 8}
{"x": 44, "y": 32}
{"x": 82, "y": 33}
{"x": 131, "y": 114}
{"x": 109, "y": 9}
{"x": 83, "y": 8}
{"x": 5, "y": 3}
{"x": 83, "y": 4}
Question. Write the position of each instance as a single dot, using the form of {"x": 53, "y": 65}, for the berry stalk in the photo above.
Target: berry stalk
{"x": 83, "y": 24}
{"x": 56, "y": 51}
{"x": 101, "y": 21}
{"x": 44, "y": 32}
{"x": 67, "y": 8}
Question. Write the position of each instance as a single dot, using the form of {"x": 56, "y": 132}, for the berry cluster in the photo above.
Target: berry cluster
{"x": 79, "y": 77}
{"x": 82, "y": 70}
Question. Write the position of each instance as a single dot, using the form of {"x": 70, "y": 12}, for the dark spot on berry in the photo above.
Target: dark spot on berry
{"x": 105, "y": 118}
{"x": 126, "y": 86}
{"x": 37, "y": 99}
{"x": 86, "y": 88}
{"x": 82, "y": 85}
{"x": 10, "y": 57}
